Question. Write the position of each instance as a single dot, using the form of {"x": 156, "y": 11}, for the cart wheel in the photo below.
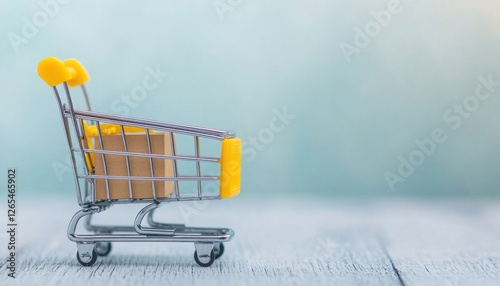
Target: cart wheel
{"x": 207, "y": 261}
{"x": 103, "y": 248}
{"x": 218, "y": 250}
{"x": 86, "y": 260}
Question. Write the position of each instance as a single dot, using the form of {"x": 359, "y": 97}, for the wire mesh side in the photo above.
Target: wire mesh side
{"x": 94, "y": 149}
{"x": 116, "y": 165}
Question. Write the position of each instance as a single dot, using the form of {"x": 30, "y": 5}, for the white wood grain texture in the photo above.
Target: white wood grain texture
{"x": 277, "y": 243}
{"x": 439, "y": 243}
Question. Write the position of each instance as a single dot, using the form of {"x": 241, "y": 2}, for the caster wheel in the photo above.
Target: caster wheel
{"x": 218, "y": 250}
{"x": 205, "y": 261}
{"x": 86, "y": 260}
{"x": 103, "y": 248}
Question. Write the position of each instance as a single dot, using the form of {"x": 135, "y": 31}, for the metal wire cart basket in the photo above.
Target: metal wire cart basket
{"x": 129, "y": 161}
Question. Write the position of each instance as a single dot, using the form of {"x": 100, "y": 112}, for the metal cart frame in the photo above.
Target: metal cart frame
{"x": 208, "y": 241}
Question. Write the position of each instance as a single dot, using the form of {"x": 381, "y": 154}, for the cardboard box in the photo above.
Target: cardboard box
{"x": 116, "y": 165}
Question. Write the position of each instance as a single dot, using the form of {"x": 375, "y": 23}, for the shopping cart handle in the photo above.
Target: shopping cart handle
{"x": 78, "y": 73}
{"x": 53, "y": 71}
{"x": 230, "y": 168}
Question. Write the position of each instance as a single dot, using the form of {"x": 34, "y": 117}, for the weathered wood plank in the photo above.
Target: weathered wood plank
{"x": 444, "y": 243}
{"x": 278, "y": 243}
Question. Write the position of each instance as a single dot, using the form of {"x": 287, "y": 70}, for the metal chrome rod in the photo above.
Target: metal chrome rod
{"x": 90, "y": 169}
{"x": 161, "y": 200}
{"x": 86, "y": 96}
{"x": 127, "y": 161}
{"x": 152, "y": 222}
{"x": 70, "y": 145}
{"x": 174, "y": 167}
{"x": 156, "y": 156}
{"x": 152, "y": 124}
{"x": 186, "y": 235}
{"x": 150, "y": 230}
{"x": 103, "y": 160}
{"x": 198, "y": 168}
{"x": 74, "y": 119}
{"x": 151, "y": 167}
{"x": 138, "y": 178}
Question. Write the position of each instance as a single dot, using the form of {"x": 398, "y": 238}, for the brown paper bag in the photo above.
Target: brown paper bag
{"x": 116, "y": 165}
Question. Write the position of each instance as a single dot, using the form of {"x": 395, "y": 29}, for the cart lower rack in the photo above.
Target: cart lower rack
{"x": 124, "y": 160}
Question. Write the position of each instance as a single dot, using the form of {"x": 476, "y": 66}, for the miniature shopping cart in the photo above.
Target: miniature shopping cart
{"x": 123, "y": 160}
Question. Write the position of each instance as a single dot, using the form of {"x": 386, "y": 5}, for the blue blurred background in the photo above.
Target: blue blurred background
{"x": 360, "y": 80}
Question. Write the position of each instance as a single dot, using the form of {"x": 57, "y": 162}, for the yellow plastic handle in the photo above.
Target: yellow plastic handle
{"x": 53, "y": 71}
{"x": 78, "y": 73}
{"x": 230, "y": 168}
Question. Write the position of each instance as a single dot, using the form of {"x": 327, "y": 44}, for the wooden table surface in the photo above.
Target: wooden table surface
{"x": 311, "y": 242}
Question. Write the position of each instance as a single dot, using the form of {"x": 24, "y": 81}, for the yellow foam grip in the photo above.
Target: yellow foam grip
{"x": 53, "y": 71}
{"x": 230, "y": 168}
{"x": 78, "y": 73}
